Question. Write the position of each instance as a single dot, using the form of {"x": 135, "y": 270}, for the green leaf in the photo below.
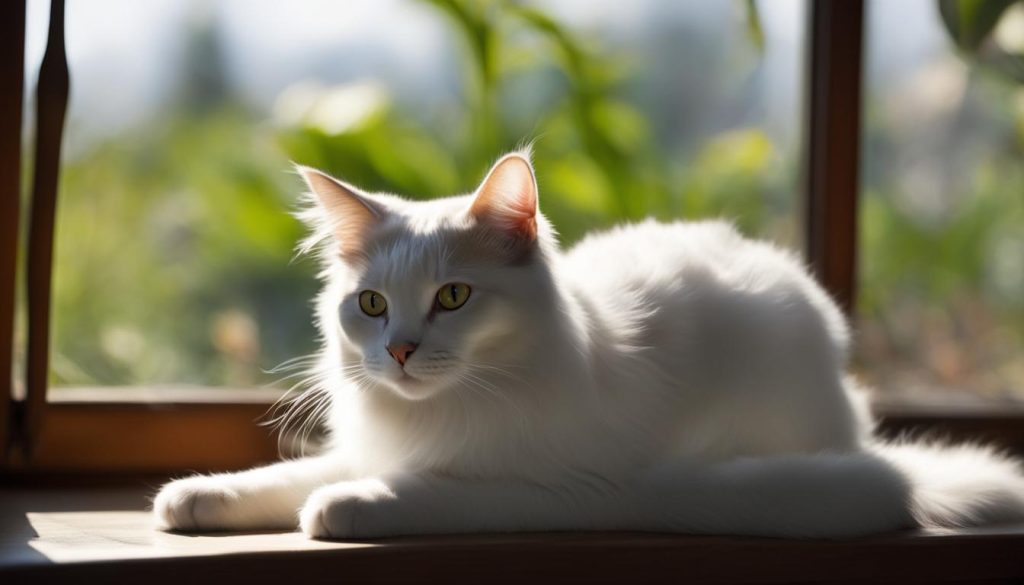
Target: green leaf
{"x": 744, "y": 151}
{"x": 970, "y": 22}
{"x": 754, "y": 30}
{"x": 579, "y": 182}
{"x": 620, "y": 124}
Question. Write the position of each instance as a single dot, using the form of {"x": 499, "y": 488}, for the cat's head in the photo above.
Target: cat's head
{"x": 430, "y": 297}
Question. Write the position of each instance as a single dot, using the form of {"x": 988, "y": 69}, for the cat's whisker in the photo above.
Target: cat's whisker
{"x": 313, "y": 420}
{"x": 491, "y": 390}
{"x": 504, "y": 367}
{"x": 498, "y": 370}
{"x": 296, "y": 412}
{"x": 288, "y": 408}
{"x": 312, "y": 379}
{"x": 293, "y": 363}
{"x": 285, "y": 402}
{"x": 300, "y": 414}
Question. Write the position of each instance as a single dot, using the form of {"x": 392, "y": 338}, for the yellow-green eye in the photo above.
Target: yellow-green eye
{"x": 453, "y": 295}
{"x": 372, "y": 303}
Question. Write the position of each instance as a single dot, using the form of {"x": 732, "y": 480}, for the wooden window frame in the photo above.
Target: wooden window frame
{"x": 37, "y": 436}
{"x": 12, "y": 74}
{"x": 40, "y": 437}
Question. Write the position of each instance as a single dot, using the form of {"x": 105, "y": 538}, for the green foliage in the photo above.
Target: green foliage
{"x": 597, "y": 160}
{"x": 174, "y": 247}
{"x": 175, "y": 251}
{"x": 941, "y": 294}
{"x": 970, "y": 24}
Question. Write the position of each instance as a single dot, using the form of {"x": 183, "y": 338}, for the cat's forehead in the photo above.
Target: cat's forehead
{"x": 427, "y": 217}
{"x": 409, "y": 257}
{"x": 423, "y": 241}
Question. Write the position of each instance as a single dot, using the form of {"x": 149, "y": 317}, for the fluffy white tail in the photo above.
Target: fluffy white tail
{"x": 889, "y": 487}
{"x": 960, "y": 485}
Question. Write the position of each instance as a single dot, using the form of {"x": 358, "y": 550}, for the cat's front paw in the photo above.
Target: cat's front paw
{"x": 351, "y": 509}
{"x": 195, "y": 503}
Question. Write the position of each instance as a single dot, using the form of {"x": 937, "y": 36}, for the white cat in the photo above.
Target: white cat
{"x": 660, "y": 377}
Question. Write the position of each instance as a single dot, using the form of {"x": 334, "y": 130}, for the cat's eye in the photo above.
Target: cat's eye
{"x": 372, "y": 303}
{"x": 453, "y": 295}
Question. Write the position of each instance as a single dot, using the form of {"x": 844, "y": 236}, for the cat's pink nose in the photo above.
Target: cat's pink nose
{"x": 402, "y": 351}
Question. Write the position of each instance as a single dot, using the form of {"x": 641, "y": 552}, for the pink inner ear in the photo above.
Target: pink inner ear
{"x": 350, "y": 213}
{"x": 507, "y": 198}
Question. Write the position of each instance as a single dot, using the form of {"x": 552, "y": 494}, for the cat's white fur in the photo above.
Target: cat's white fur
{"x": 669, "y": 377}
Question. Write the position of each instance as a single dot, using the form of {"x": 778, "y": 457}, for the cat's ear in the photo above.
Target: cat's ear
{"x": 507, "y": 198}
{"x": 351, "y": 214}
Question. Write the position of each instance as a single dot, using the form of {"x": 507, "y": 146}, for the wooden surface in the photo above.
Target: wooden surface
{"x": 107, "y": 536}
{"x": 150, "y": 438}
{"x": 171, "y": 428}
{"x": 178, "y": 429}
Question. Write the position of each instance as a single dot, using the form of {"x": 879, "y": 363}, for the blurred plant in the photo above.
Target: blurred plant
{"x": 174, "y": 257}
{"x": 941, "y": 296}
{"x": 171, "y": 244}
{"x": 174, "y": 252}
{"x": 597, "y": 160}
{"x": 972, "y": 25}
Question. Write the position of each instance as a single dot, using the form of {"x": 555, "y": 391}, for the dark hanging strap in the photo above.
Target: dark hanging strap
{"x": 51, "y": 105}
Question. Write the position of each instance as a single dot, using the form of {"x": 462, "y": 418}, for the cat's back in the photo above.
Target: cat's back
{"x": 703, "y": 271}
{"x": 735, "y": 330}
{"x": 634, "y": 257}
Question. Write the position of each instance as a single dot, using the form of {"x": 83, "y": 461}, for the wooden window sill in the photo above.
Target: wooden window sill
{"x": 105, "y": 535}
{"x": 216, "y": 429}
{"x": 171, "y": 429}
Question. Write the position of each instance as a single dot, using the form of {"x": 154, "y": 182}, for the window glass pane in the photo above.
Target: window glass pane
{"x": 941, "y": 297}
{"x": 174, "y": 248}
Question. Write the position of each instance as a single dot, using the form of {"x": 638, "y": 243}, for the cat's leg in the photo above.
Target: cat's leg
{"x": 262, "y": 498}
{"x": 794, "y": 496}
{"x": 427, "y": 504}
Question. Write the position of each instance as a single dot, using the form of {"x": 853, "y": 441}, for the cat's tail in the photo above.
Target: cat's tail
{"x": 957, "y": 485}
